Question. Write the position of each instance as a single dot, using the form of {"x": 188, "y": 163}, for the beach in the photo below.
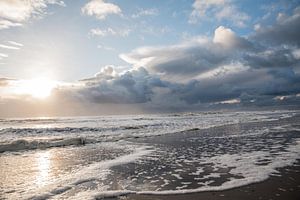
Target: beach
{"x": 218, "y": 155}
{"x": 149, "y": 100}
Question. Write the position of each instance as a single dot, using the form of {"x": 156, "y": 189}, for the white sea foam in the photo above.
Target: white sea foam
{"x": 87, "y": 182}
{"x": 242, "y": 164}
{"x": 96, "y": 171}
{"x": 22, "y": 134}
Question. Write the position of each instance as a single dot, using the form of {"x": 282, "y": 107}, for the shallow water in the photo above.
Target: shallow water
{"x": 147, "y": 154}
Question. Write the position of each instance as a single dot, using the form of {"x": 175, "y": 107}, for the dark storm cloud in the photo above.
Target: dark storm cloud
{"x": 285, "y": 30}
{"x": 283, "y": 57}
{"x": 256, "y": 83}
{"x": 131, "y": 87}
{"x": 279, "y": 43}
{"x": 251, "y": 87}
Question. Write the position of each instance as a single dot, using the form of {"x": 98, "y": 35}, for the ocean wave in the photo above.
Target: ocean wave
{"x": 23, "y": 144}
{"x": 52, "y": 130}
{"x": 28, "y": 138}
{"x": 74, "y": 129}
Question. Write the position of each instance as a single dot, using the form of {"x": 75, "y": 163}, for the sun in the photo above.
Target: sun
{"x": 37, "y": 88}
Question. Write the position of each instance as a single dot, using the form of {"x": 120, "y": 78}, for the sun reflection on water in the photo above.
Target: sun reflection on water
{"x": 43, "y": 160}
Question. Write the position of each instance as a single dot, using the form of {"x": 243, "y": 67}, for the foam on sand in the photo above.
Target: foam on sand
{"x": 95, "y": 171}
{"x": 242, "y": 164}
{"x": 186, "y": 162}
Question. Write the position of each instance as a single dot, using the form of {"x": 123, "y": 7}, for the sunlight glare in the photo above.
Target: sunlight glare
{"x": 43, "y": 161}
{"x": 37, "y": 88}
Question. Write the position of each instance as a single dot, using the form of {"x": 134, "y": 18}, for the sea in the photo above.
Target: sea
{"x": 155, "y": 154}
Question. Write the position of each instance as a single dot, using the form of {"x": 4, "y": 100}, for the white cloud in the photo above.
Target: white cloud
{"x": 228, "y": 39}
{"x": 106, "y": 48}
{"x": 100, "y": 9}
{"x": 222, "y": 71}
{"x": 145, "y": 12}
{"x": 296, "y": 53}
{"x": 191, "y": 57}
{"x": 106, "y": 71}
{"x": 218, "y": 9}
{"x": 15, "y": 43}
{"x": 12, "y": 46}
{"x": 2, "y": 55}
{"x": 109, "y": 32}
{"x": 200, "y": 8}
{"x": 57, "y": 2}
{"x": 231, "y": 101}
{"x": 3, "y": 46}
{"x": 15, "y": 12}
{"x": 102, "y": 32}
{"x": 232, "y": 13}
{"x": 223, "y": 35}
{"x": 156, "y": 31}
{"x": 4, "y": 24}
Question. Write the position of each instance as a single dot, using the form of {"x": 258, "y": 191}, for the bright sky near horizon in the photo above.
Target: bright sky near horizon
{"x": 64, "y": 57}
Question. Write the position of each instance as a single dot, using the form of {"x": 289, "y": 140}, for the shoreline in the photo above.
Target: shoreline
{"x": 251, "y": 160}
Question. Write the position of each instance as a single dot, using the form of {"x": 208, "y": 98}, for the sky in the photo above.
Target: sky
{"x": 97, "y": 57}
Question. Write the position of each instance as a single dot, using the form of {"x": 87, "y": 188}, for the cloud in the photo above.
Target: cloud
{"x": 228, "y": 39}
{"x": 106, "y": 48}
{"x": 15, "y": 43}
{"x": 218, "y": 9}
{"x": 137, "y": 90}
{"x": 285, "y": 30}
{"x": 273, "y": 58}
{"x": 155, "y": 31}
{"x": 133, "y": 86}
{"x": 16, "y": 12}
{"x": 229, "y": 81}
{"x": 107, "y": 73}
{"x": 3, "y": 46}
{"x": 100, "y": 9}
{"x": 279, "y": 43}
{"x": 206, "y": 71}
{"x": 191, "y": 57}
{"x": 12, "y": 46}
{"x": 145, "y": 12}
{"x": 5, "y": 24}
{"x": 200, "y": 72}
{"x": 3, "y": 55}
{"x": 109, "y": 32}
{"x": 233, "y": 84}
{"x": 200, "y": 8}
{"x": 232, "y": 13}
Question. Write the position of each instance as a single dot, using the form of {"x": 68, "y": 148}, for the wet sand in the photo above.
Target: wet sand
{"x": 283, "y": 187}
{"x": 182, "y": 161}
